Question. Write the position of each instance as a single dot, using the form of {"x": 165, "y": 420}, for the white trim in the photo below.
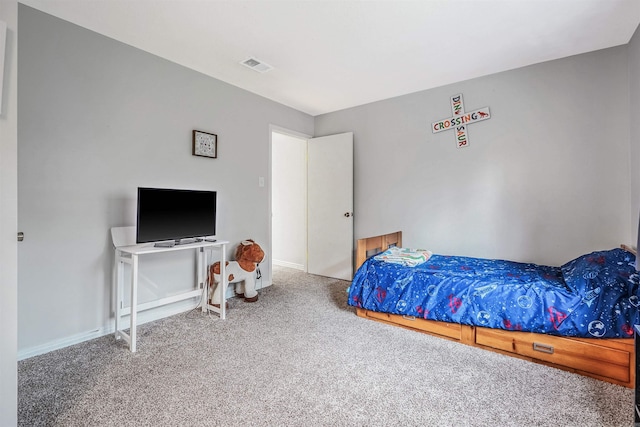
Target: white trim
{"x": 143, "y": 317}
{"x": 285, "y": 131}
{"x": 288, "y": 264}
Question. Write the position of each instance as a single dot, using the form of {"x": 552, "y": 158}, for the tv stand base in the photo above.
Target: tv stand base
{"x": 171, "y": 244}
{"x": 129, "y": 254}
{"x": 164, "y": 244}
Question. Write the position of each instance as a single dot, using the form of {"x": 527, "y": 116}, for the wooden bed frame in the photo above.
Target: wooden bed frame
{"x": 611, "y": 360}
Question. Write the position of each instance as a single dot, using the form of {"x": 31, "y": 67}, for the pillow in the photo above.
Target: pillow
{"x": 405, "y": 256}
{"x": 599, "y": 269}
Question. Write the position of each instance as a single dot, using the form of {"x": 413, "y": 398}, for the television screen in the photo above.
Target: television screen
{"x": 166, "y": 214}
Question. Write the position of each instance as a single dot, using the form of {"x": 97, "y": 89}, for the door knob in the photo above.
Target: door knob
{"x": 348, "y": 214}
{"x": 20, "y": 236}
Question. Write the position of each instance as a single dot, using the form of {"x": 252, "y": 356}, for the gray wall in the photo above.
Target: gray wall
{"x": 544, "y": 180}
{"x": 97, "y": 119}
{"x": 634, "y": 129}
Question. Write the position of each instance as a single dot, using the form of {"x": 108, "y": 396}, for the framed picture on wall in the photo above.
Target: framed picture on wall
{"x": 205, "y": 144}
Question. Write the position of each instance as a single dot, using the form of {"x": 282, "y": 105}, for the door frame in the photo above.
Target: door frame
{"x": 9, "y": 220}
{"x": 289, "y": 132}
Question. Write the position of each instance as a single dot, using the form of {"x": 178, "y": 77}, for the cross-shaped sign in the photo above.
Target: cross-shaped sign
{"x": 460, "y": 120}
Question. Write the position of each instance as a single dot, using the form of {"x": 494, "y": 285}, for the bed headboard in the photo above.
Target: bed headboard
{"x": 373, "y": 245}
{"x": 628, "y": 248}
{"x": 376, "y": 244}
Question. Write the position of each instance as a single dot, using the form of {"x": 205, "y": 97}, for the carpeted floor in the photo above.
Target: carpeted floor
{"x": 301, "y": 357}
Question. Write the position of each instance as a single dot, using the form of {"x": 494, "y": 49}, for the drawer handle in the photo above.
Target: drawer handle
{"x": 544, "y": 348}
{"x": 404, "y": 316}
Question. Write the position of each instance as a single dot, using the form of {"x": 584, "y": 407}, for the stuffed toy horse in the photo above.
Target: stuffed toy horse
{"x": 240, "y": 272}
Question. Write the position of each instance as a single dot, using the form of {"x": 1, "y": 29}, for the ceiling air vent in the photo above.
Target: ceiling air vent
{"x": 256, "y": 65}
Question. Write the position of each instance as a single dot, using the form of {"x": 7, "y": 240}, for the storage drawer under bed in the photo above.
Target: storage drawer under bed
{"x": 580, "y": 354}
{"x": 449, "y": 330}
{"x": 611, "y": 360}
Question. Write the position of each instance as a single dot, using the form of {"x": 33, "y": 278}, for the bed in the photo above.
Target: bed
{"x": 578, "y": 317}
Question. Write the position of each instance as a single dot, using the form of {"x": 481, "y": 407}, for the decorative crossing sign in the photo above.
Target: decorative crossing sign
{"x": 460, "y": 120}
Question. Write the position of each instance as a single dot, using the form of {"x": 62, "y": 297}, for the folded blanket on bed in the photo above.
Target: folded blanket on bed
{"x": 405, "y": 256}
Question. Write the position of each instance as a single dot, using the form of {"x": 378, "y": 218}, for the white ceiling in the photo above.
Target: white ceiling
{"x": 331, "y": 55}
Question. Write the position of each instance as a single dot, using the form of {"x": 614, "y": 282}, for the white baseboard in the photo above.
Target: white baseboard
{"x": 143, "y": 317}
{"x": 61, "y": 343}
{"x": 289, "y": 264}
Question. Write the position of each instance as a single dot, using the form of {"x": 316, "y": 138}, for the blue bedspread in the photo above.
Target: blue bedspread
{"x": 595, "y": 295}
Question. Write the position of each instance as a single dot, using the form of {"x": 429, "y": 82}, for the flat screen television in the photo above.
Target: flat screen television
{"x": 173, "y": 215}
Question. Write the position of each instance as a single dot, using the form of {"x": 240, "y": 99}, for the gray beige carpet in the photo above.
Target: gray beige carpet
{"x": 301, "y": 357}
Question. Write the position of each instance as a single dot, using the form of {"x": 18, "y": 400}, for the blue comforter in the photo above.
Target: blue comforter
{"x": 595, "y": 295}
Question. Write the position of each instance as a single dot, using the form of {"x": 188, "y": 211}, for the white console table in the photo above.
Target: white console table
{"x": 129, "y": 253}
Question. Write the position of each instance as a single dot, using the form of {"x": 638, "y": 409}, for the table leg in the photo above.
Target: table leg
{"x": 119, "y": 279}
{"x": 224, "y": 280}
{"x": 202, "y": 281}
{"x": 134, "y": 301}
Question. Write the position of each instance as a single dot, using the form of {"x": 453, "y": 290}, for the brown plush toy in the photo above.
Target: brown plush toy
{"x": 240, "y": 272}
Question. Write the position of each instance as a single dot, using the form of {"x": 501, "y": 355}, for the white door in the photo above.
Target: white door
{"x": 330, "y": 206}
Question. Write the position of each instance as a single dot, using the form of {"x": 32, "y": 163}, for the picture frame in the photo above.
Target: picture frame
{"x": 205, "y": 144}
